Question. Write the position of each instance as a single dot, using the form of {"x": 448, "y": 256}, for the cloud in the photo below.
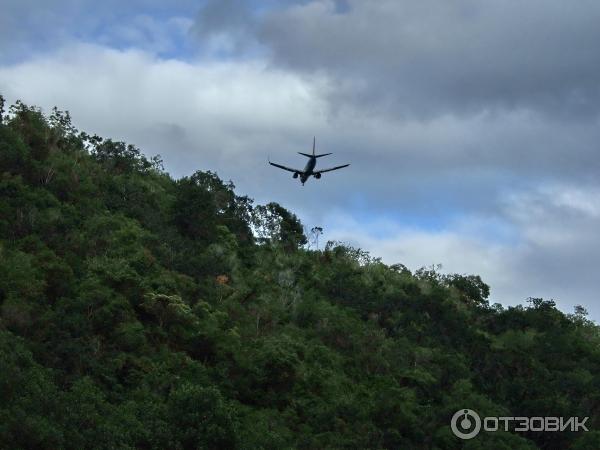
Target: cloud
{"x": 195, "y": 115}
{"x": 434, "y": 57}
{"x": 225, "y": 26}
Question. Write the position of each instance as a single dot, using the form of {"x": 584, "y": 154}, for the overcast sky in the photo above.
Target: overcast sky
{"x": 472, "y": 126}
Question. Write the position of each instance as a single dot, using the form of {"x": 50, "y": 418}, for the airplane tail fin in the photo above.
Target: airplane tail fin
{"x": 313, "y": 152}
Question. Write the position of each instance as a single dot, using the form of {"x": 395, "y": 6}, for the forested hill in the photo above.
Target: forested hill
{"x": 139, "y": 311}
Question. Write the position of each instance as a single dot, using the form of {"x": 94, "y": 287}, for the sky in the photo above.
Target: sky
{"x": 472, "y": 127}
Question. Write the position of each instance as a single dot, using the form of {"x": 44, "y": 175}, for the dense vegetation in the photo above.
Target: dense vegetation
{"x": 139, "y": 311}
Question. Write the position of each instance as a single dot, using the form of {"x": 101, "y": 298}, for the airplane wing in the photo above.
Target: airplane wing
{"x": 289, "y": 169}
{"x": 329, "y": 170}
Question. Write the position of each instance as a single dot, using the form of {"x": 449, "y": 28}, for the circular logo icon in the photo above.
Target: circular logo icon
{"x": 465, "y": 424}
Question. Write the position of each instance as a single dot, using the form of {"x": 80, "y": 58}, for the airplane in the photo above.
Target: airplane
{"x": 310, "y": 166}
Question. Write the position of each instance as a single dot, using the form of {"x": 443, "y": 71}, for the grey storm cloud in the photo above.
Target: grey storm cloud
{"x": 434, "y": 57}
{"x": 224, "y": 16}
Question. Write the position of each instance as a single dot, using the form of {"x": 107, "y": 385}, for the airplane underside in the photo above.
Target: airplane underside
{"x": 309, "y": 169}
{"x": 304, "y": 177}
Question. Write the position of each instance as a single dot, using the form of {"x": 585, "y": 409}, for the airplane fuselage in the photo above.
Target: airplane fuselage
{"x": 308, "y": 169}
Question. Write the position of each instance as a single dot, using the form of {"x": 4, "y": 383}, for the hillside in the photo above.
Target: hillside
{"x": 140, "y": 311}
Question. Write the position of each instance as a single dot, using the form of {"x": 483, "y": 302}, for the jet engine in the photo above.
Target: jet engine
{"x": 317, "y": 175}
{"x": 295, "y": 175}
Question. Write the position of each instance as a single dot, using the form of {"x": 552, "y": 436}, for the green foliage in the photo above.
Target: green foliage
{"x": 273, "y": 223}
{"x": 138, "y": 311}
{"x": 30, "y": 400}
{"x": 201, "y": 417}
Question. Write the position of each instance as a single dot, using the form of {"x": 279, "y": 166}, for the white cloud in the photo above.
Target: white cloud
{"x": 213, "y": 110}
{"x": 432, "y": 57}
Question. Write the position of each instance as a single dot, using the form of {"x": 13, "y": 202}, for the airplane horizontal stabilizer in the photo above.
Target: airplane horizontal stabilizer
{"x": 314, "y": 156}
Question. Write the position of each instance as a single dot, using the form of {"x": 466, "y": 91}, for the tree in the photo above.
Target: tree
{"x": 203, "y": 201}
{"x": 470, "y": 286}
{"x": 273, "y": 223}
{"x": 315, "y": 232}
